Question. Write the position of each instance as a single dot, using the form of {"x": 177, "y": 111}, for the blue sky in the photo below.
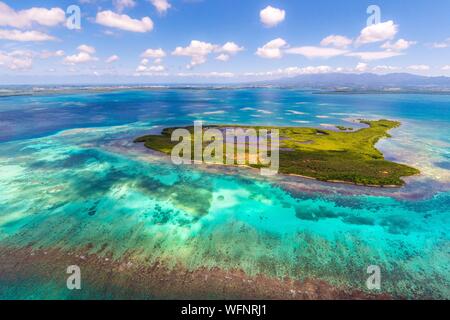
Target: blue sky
{"x": 161, "y": 41}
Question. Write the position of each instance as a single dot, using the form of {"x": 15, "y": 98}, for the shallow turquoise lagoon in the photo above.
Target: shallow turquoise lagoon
{"x": 70, "y": 176}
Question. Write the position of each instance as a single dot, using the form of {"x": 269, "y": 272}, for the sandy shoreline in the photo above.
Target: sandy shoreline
{"x": 206, "y": 164}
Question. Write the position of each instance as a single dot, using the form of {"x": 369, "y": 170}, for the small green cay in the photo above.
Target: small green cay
{"x": 326, "y": 155}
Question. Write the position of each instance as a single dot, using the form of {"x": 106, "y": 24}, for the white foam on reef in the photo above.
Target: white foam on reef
{"x": 295, "y": 112}
{"x": 214, "y": 112}
{"x": 301, "y": 121}
{"x": 264, "y": 111}
{"x": 207, "y": 113}
{"x": 10, "y": 171}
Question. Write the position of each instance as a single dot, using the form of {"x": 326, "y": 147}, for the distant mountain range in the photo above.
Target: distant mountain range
{"x": 364, "y": 81}
{"x": 325, "y": 83}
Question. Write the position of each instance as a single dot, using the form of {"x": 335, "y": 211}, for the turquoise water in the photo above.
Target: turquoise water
{"x": 70, "y": 176}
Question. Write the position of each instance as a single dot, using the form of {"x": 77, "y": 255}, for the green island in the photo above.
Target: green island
{"x": 326, "y": 155}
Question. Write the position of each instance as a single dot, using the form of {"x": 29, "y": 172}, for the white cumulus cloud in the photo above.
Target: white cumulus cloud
{"x": 399, "y": 45}
{"x": 157, "y": 68}
{"x": 16, "y": 60}
{"x": 80, "y": 57}
{"x": 50, "y": 54}
{"x": 153, "y": 69}
{"x": 272, "y": 49}
{"x": 121, "y": 5}
{"x": 161, "y": 5}
{"x": 86, "y": 48}
{"x": 385, "y": 68}
{"x": 361, "y": 67}
{"x": 112, "y": 59}
{"x": 223, "y": 57}
{"x": 84, "y": 55}
{"x": 124, "y": 22}
{"x": 22, "y": 36}
{"x": 26, "y": 18}
{"x": 227, "y": 50}
{"x": 230, "y": 48}
{"x": 197, "y": 51}
{"x": 271, "y": 16}
{"x": 336, "y": 41}
{"x": 153, "y": 53}
{"x": 150, "y": 70}
{"x": 378, "y": 32}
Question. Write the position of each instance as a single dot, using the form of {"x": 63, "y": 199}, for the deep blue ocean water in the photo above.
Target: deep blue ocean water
{"x": 70, "y": 175}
